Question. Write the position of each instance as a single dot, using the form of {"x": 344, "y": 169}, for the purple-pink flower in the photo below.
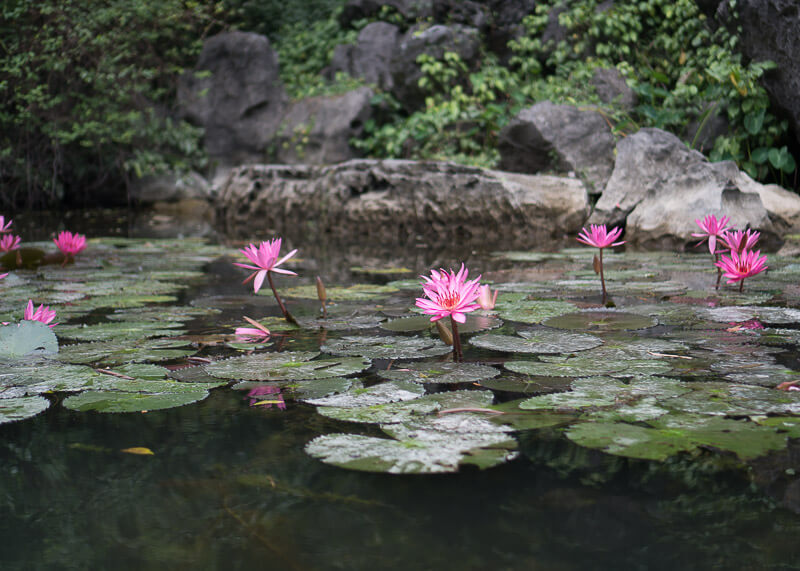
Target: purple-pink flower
{"x": 739, "y": 266}
{"x": 599, "y": 237}
{"x": 69, "y": 243}
{"x": 738, "y": 240}
{"x": 449, "y": 293}
{"x": 276, "y": 400}
{"x": 265, "y": 259}
{"x": 9, "y": 242}
{"x": 42, "y": 314}
{"x": 712, "y": 229}
{"x": 252, "y": 334}
{"x": 5, "y": 226}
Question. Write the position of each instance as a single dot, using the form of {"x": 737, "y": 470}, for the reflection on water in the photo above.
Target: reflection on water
{"x": 229, "y": 486}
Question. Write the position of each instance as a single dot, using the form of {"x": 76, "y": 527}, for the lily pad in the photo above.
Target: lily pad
{"x": 300, "y": 390}
{"x": 382, "y": 393}
{"x": 357, "y": 292}
{"x": 27, "y": 338}
{"x": 111, "y": 352}
{"x": 628, "y": 440}
{"x": 288, "y": 365}
{"x": 115, "y": 401}
{"x": 402, "y": 411}
{"x": 538, "y": 341}
{"x": 598, "y": 321}
{"x": 386, "y": 347}
{"x": 584, "y": 367}
{"x": 414, "y": 451}
{"x": 20, "y": 408}
{"x": 475, "y": 322}
{"x": 527, "y": 384}
{"x": 120, "y": 331}
{"x": 440, "y": 372}
{"x": 534, "y": 311}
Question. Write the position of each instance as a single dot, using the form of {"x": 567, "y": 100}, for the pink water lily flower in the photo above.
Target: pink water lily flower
{"x": 738, "y": 240}
{"x": 9, "y": 242}
{"x": 599, "y": 237}
{"x": 265, "y": 259}
{"x": 486, "y": 299}
{"x": 256, "y": 393}
{"x": 3, "y": 275}
{"x": 69, "y": 243}
{"x": 42, "y": 314}
{"x": 255, "y": 334}
{"x": 448, "y": 293}
{"x": 739, "y": 266}
{"x": 5, "y": 226}
{"x": 712, "y": 229}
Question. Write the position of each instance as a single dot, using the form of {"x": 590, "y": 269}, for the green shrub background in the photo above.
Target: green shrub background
{"x": 87, "y": 87}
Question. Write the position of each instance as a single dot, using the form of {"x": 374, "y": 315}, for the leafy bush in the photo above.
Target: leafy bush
{"x": 85, "y": 94}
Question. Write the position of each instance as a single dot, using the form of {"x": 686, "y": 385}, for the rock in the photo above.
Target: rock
{"x": 317, "y": 130}
{"x": 434, "y": 41}
{"x": 370, "y": 57}
{"x": 235, "y": 94}
{"x": 170, "y": 187}
{"x": 770, "y": 30}
{"x": 394, "y": 201}
{"x": 559, "y": 138}
{"x": 464, "y": 12}
{"x": 659, "y": 188}
{"x": 611, "y": 87}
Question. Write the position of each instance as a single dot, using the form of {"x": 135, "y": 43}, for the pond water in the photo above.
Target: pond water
{"x": 650, "y": 435}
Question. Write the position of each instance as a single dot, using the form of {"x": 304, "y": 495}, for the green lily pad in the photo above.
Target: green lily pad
{"x": 387, "y": 271}
{"x": 534, "y": 311}
{"x": 120, "y": 330}
{"x": 598, "y": 321}
{"x": 586, "y": 367}
{"x": 111, "y": 352}
{"x": 628, "y": 440}
{"x": 723, "y": 399}
{"x": 114, "y": 401}
{"x": 26, "y": 338}
{"x": 538, "y": 341}
{"x": 440, "y": 372}
{"x": 301, "y": 390}
{"x": 382, "y": 393}
{"x": 592, "y": 392}
{"x": 518, "y": 419}
{"x": 20, "y": 408}
{"x": 386, "y": 347}
{"x": 342, "y": 323}
{"x": 414, "y": 451}
{"x": 527, "y": 384}
{"x": 288, "y": 365}
{"x": 475, "y": 322}
{"x": 357, "y": 292}
{"x": 402, "y": 411}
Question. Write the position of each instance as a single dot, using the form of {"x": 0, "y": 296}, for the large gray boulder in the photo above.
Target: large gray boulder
{"x": 559, "y": 138}
{"x": 370, "y": 57}
{"x": 235, "y": 94}
{"x": 317, "y": 130}
{"x": 659, "y": 188}
{"x": 612, "y": 88}
{"x": 394, "y": 201}
{"x": 434, "y": 41}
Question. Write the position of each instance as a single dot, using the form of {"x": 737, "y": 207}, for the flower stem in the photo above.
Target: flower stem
{"x": 719, "y": 271}
{"x": 286, "y": 315}
{"x": 602, "y": 277}
{"x": 741, "y": 286}
{"x": 457, "y": 356}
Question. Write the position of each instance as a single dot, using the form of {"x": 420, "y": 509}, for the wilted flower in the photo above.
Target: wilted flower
{"x": 739, "y": 266}
{"x": 265, "y": 259}
{"x": 5, "y": 226}
{"x": 69, "y": 243}
{"x": 712, "y": 229}
{"x": 486, "y": 299}
{"x": 42, "y": 314}
{"x": 9, "y": 242}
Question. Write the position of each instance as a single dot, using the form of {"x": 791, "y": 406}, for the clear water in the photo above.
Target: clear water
{"x": 230, "y": 487}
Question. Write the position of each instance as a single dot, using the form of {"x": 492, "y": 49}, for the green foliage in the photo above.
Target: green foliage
{"x": 80, "y": 84}
{"x": 279, "y": 20}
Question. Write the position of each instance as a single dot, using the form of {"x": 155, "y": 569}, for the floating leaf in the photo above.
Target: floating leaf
{"x": 475, "y": 322}
{"x": 527, "y": 384}
{"x": 20, "y": 408}
{"x": 440, "y": 372}
{"x": 629, "y": 440}
{"x": 534, "y": 311}
{"x": 538, "y": 341}
{"x": 415, "y": 452}
{"x": 357, "y": 292}
{"x": 287, "y": 365}
{"x": 382, "y": 393}
{"x": 300, "y": 390}
{"x": 111, "y": 352}
{"x": 342, "y": 323}
{"x": 27, "y": 338}
{"x": 114, "y": 401}
{"x": 403, "y": 411}
{"x": 120, "y": 331}
{"x": 597, "y": 321}
{"x": 386, "y": 347}
{"x": 584, "y": 367}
